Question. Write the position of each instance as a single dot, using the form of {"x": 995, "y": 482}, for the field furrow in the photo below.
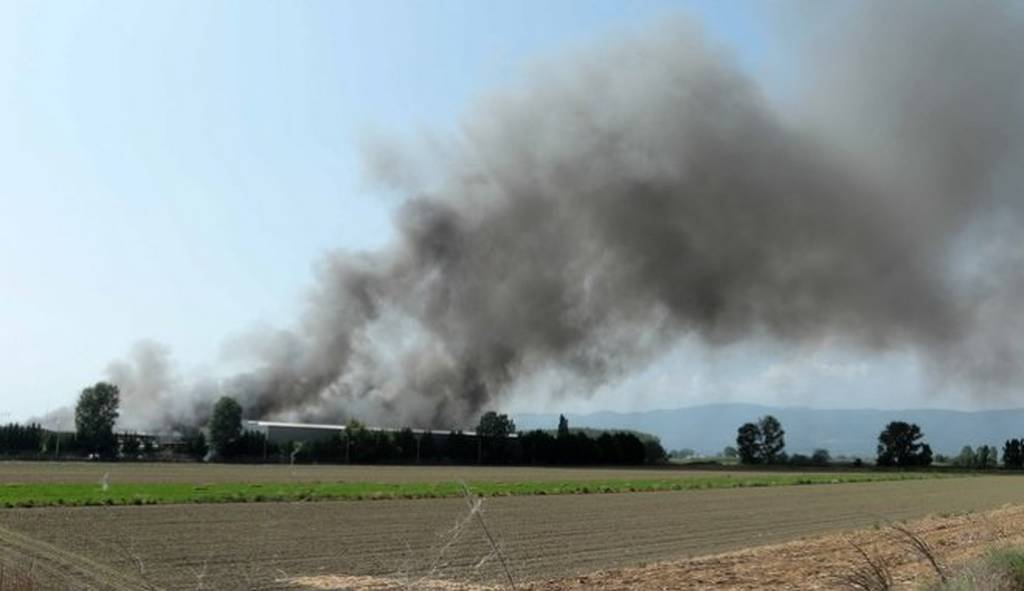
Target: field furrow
{"x": 248, "y": 546}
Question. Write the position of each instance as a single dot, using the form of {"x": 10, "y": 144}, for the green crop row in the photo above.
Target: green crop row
{"x": 48, "y": 494}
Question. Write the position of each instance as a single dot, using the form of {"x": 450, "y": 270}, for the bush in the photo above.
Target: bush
{"x": 1000, "y": 570}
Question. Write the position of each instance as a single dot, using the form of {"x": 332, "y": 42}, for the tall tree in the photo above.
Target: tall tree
{"x": 773, "y": 439}
{"x": 563, "y": 427}
{"x": 95, "y": 415}
{"x": 492, "y": 433}
{"x": 225, "y": 425}
{"x": 748, "y": 443}
{"x": 899, "y": 444}
{"x": 1013, "y": 453}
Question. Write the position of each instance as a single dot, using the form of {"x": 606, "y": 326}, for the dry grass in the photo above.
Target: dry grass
{"x": 874, "y": 572}
{"x": 371, "y": 583}
{"x": 999, "y": 570}
{"x": 962, "y": 546}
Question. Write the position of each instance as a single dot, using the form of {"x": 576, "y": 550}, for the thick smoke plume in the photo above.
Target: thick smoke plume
{"x": 646, "y": 190}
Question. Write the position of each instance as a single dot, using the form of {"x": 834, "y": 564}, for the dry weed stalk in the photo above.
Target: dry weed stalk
{"x": 875, "y": 574}
{"x": 451, "y": 537}
{"x": 475, "y": 504}
{"x": 921, "y": 547}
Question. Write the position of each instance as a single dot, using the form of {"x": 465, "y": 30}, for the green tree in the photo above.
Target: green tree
{"x": 563, "y": 427}
{"x": 225, "y": 425}
{"x": 773, "y": 440}
{"x": 924, "y": 458}
{"x": 748, "y": 443}
{"x": 1013, "y": 454}
{"x": 986, "y": 457}
{"x": 654, "y": 453}
{"x": 493, "y": 431}
{"x": 495, "y": 426}
{"x": 95, "y": 415}
{"x": 358, "y": 442}
{"x": 966, "y": 459}
{"x": 899, "y": 444}
{"x": 821, "y": 457}
{"x": 730, "y": 452}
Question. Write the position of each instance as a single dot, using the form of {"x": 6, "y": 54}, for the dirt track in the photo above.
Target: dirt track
{"x": 261, "y": 546}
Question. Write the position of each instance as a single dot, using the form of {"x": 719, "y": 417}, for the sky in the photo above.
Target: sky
{"x": 173, "y": 171}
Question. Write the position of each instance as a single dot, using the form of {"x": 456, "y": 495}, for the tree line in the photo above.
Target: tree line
{"x": 900, "y": 445}
{"x": 496, "y": 441}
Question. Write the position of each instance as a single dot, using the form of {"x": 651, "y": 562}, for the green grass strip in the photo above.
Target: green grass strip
{"x": 48, "y": 495}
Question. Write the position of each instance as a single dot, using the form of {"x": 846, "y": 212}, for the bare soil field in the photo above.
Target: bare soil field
{"x": 199, "y": 473}
{"x": 276, "y": 545}
{"x": 822, "y": 562}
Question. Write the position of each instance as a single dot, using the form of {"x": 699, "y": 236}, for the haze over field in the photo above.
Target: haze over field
{"x": 650, "y": 189}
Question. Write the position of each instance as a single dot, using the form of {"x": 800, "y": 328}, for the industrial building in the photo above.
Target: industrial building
{"x": 282, "y": 432}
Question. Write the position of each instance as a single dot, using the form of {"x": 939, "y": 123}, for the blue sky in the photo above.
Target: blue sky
{"x": 172, "y": 170}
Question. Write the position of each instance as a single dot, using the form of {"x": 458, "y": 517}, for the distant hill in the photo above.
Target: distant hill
{"x": 709, "y": 428}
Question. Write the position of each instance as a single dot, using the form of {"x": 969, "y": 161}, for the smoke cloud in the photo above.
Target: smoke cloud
{"x": 647, "y": 189}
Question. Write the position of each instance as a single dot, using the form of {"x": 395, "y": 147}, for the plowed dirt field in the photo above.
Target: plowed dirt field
{"x": 197, "y": 473}
{"x": 269, "y": 545}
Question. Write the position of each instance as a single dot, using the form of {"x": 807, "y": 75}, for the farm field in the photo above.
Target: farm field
{"x": 200, "y": 473}
{"x": 268, "y": 546}
{"x": 105, "y": 492}
{"x": 961, "y": 544}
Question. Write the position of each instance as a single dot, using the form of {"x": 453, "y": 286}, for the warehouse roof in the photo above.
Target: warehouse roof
{"x": 283, "y": 424}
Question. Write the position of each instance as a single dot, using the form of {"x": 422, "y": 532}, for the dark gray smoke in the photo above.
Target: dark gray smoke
{"x": 648, "y": 189}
